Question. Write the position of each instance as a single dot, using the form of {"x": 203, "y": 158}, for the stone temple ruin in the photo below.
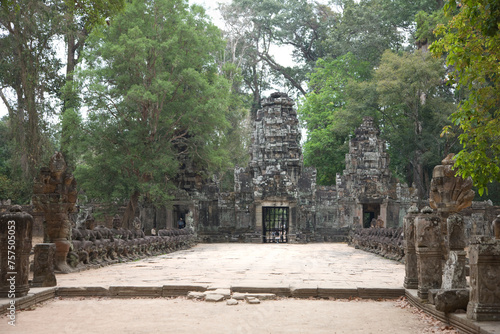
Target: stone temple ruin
{"x": 276, "y": 198}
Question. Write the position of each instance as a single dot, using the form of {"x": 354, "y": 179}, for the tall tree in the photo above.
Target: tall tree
{"x": 414, "y": 106}
{"x": 79, "y": 19}
{"x": 156, "y": 102}
{"x": 471, "y": 42}
{"x": 321, "y": 113}
{"x": 29, "y": 69}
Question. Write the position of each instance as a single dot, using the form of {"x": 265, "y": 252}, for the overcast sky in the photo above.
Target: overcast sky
{"x": 212, "y": 11}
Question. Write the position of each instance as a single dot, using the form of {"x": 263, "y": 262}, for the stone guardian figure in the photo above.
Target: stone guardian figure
{"x": 55, "y": 194}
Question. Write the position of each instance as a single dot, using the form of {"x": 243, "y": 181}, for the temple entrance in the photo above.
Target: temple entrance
{"x": 370, "y": 211}
{"x": 275, "y": 224}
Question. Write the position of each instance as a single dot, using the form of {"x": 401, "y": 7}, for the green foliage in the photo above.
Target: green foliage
{"x": 471, "y": 42}
{"x": 414, "y": 107}
{"x": 323, "y": 116}
{"x": 156, "y": 101}
{"x": 426, "y": 24}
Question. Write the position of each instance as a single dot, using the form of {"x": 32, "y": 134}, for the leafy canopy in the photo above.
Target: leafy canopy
{"x": 471, "y": 42}
{"x": 156, "y": 101}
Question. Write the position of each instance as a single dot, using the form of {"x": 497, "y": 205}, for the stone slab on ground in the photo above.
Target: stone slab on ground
{"x": 136, "y": 291}
{"x": 93, "y": 291}
{"x": 226, "y": 265}
{"x": 231, "y": 302}
{"x": 196, "y": 295}
{"x": 283, "y": 291}
{"x": 262, "y": 296}
{"x": 225, "y": 292}
{"x": 172, "y": 290}
{"x": 214, "y": 298}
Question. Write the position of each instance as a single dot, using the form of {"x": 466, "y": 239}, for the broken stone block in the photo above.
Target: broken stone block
{"x": 43, "y": 271}
{"x": 231, "y": 302}
{"x": 448, "y": 301}
{"x": 252, "y": 300}
{"x": 454, "y": 271}
{"x": 196, "y": 295}
{"x": 225, "y": 292}
{"x": 214, "y": 298}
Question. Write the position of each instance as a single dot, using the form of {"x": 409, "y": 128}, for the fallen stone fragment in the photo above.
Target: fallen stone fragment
{"x": 448, "y": 301}
{"x": 214, "y": 298}
{"x": 196, "y": 295}
{"x": 225, "y": 292}
{"x": 252, "y": 300}
{"x": 261, "y": 296}
{"x": 231, "y": 302}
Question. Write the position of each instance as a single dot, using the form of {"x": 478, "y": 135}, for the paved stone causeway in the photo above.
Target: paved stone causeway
{"x": 254, "y": 265}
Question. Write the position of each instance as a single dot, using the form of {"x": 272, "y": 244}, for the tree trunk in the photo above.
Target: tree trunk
{"x": 131, "y": 211}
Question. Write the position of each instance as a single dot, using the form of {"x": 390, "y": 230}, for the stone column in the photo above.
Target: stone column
{"x": 43, "y": 269}
{"x": 484, "y": 259}
{"x": 411, "y": 273}
{"x": 429, "y": 255}
{"x": 454, "y": 271}
{"x": 16, "y": 231}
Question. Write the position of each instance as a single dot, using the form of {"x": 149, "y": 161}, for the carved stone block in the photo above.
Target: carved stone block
{"x": 448, "y": 301}
{"x": 43, "y": 269}
{"x": 429, "y": 255}
{"x": 411, "y": 273}
{"x": 16, "y": 231}
{"x": 484, "y": 259}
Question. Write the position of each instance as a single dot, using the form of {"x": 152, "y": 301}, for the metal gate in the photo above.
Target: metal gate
{"x": 275, "y": 224}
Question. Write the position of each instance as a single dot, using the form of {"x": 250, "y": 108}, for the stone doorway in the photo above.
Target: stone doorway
{"x": 370, "y": 211}
{"x": 275, "y": 224}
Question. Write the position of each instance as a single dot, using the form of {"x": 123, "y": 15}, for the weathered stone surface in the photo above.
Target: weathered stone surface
{"x": 484, "y": 259}
{"x": 231, "y": 302}
{"x": 55, "y": 194}
{"x": 16, "y": 229}
{"x": 252, "y": 300}
{"x": 495, "y": 227}
{"x": 449, "y": 193}
{"x": 196, "y": 295}
{"x": 43, "y": 268}
{"x": 454, "y": 271}
{"x": 411, "y": 272}
{"x": 135, "y": 291}
{"x": 448, "y": 301}
{"x": 92, "y": 291}
{"x": 225, "y": 292}
{"x": 262, "y": 296}
{"x": 172, "y": 290}
{"x": 428, "y": 237}
{"x": 214, "y": 298}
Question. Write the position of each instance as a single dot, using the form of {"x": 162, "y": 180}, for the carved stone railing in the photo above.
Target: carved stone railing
{"x": 387, "y": 242}
{"x": 103, "y": 246}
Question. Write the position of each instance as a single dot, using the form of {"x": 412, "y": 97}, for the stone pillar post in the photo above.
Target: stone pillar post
{"x": 43, "y": 271}
{"x": 454, "y": 271}
{"x": 484, "y": 259}
{"x": 411, "y": 273}
{"x": 16, "y": 231}
{"x": 429, "y": 255}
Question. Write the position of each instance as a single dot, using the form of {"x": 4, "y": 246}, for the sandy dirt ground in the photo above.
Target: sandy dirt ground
{"x": 180, "y": 315}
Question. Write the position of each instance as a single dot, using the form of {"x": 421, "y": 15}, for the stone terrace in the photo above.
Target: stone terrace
{"x": 252, "y": 265}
